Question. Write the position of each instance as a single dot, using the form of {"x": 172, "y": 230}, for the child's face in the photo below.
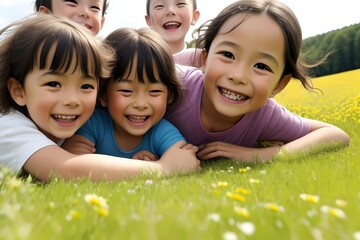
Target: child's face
{"x": 85, "y": 12}
{"x": 172, "y": 18}
{"x": 243, "y": 66}
{"x": 59, "y": 103}
{"x": 135, "y": 107}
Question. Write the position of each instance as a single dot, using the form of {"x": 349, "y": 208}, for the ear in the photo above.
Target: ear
{"x": 103, "y": 101}
{"x": 102, "y": 22}
{"x": 170, "y": 99}
{"x": 16, "y": 91}
{"x": 148, "y": 20}
{"x": 281, "y": 84}
{"x": 44, "y": 9}
{"x": 204, "y": 55}
{"x": 195, "y": 17}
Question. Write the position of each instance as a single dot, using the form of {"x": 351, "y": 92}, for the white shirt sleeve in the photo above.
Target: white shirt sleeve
{"x": 19, "y": 139}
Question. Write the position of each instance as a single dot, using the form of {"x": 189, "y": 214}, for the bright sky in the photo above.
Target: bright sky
{"x": 315, "y": 16}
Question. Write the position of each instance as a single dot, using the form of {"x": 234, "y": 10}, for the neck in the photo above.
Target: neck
{"x": 177, "y": 47}
{"x": 126, "y": 141}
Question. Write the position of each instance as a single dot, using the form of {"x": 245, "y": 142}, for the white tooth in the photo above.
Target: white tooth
{"x": 232, "y": 95}
{"x": 138, "y": 117}
{"x": 64, "y": 117}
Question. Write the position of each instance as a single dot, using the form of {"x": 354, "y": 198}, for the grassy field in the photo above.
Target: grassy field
{"x": 293, "y": 197}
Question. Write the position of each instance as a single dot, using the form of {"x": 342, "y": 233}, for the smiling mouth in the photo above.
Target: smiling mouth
{"x": 137, "y": 119}
{"x": 171, "y": 25}
{"x": 65, "y": 118}
{"x": 232, "y": 95}
{"x": 86, "y": 25}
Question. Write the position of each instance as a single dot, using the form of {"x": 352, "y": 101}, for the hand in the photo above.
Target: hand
{"x": 189, "y": 146}
{"x": 77, "y": 144}
{"x": 145, "y": 155}
{"x": 238, "y": 153}
{"x": 180, "y": 158}
{"x": 218, "y": 150}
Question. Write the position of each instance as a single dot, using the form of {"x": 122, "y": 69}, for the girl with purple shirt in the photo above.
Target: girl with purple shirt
{"x": 251, "y": 50}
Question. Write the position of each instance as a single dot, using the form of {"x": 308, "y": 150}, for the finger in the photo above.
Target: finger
{"x": 146, "y": 158}
{"x": 188, "y": 146}
{"x": 180, "y": 144}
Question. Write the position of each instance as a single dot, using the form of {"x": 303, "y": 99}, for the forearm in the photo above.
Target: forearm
{"x": 98, "y": 167}
{"x": 320, "y": 136}
{"x": 54, "y": 161}
{"x": 315, "y": 140}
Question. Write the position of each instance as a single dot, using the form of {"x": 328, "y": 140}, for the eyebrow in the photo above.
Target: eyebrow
{"x": 61, "y": 74}
{"x": 263, "y": 54}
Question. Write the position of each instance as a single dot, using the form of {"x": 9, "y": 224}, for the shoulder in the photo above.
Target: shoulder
{"x": 14, "y": 118}
{"x": 190, "y": 76}
{"x": 164, "y": 128}
{"x": 19, "y": 139}
{"x": 271, "y": 105}
{"x": 189, "y": 57}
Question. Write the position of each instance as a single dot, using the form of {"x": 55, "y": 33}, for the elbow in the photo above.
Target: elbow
{"x": 345, "y": 139}
{"x": 341, "y": 137}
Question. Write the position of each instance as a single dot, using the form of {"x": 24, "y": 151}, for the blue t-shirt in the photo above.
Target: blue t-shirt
{"x": 99, "y": 129}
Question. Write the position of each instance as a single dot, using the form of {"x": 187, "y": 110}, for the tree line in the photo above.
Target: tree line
{"x": 342, "y": 44}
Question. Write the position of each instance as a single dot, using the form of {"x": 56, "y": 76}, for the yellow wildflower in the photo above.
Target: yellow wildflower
{"x": 242, "y": 170}
{"x": 95, "y": 200}
{"x": 236, "y": 196}
{"x": 274, "y": 207}
{"x": 242, "y": 211}
{"x": 335, "y": 212}
{"x": 104, "y": 212}
{"x": 309, "y": 198}
{"x": 72, "y": 215}
{"x": 242, "y": 191}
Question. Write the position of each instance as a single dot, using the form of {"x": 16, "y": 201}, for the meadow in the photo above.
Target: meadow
{"x": 299, "y": 196}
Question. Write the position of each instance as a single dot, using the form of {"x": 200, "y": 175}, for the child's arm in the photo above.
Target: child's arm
{"x": 189, "y": 57}
{"x": 55, "y": 161}
{"x": 320, "y": 133}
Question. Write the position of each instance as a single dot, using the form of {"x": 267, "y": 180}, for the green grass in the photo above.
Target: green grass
{"x": 197, "y": 206}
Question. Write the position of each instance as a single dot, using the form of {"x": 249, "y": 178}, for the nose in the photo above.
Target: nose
{"x": 71, "y": 99}
{"x": 170, "y": 11}
{"x": 141, "y": 102}
{"x": 239, "y": 76}
{"x": 83, "y": 11}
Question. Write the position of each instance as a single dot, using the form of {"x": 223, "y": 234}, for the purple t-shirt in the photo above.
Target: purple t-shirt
{"x": 271, "y": 122}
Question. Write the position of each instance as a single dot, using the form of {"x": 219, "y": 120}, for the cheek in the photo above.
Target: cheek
{"x": 89, "y": 103}
{"x": 161, "y": 104}
{"x": 185, "y": 16}
{"x": 40, "y": 102}
{"x": 116, "y": 101}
